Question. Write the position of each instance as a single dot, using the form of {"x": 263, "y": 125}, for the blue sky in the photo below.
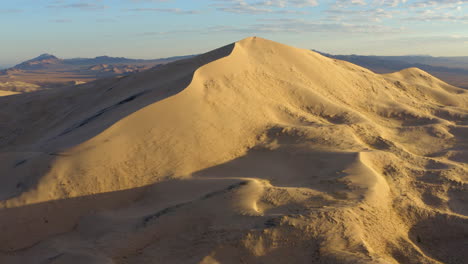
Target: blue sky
{"x": 163, "y": 28}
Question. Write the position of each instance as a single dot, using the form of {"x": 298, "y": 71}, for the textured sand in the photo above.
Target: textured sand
{"x": 17, "y": 87}
{"x": 253, "y": 153}
{"x": 5, "y": 93}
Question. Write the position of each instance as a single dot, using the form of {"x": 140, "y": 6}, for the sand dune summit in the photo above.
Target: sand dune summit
{"x": 256, "y": 152}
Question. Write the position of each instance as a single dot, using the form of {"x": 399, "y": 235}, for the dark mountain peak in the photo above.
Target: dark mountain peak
{"x": 41, "y": 58}
{"x": 45, "y": 56}
{"x": 39, "y": 62}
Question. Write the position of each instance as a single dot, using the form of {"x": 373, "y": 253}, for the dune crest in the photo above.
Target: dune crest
{"x": 256, "y": 152}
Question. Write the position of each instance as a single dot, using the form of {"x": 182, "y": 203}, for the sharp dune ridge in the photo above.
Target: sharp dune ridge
{"x": 256, "y": 152}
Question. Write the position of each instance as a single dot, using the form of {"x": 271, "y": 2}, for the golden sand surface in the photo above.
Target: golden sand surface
{"x": 256, "y": 152}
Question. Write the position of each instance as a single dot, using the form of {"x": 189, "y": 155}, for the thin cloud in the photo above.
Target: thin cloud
{"x": 428, "y": 17}
{"x": 304, "y": 26}
{"x": 105, "y": 20}
{"x": 437, "y": 3}
{"x": 81, "y": 6}
{"x": 10, "y": 11}
{"x": 165, "y": 10}
{"x": 60, "y": 20}
{"x": 285, "y": 3}
{"x": 264, "y": 7}
{"x": 373, "y": 14}
{"x": 390, "y": 3}
{"x": 348, "y": 3}
{"x": 149, "y": 1}
{"x": 286, "y": 26}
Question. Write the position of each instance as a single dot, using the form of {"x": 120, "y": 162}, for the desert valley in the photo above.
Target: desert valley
{"x": 255, "y": 152}
{"x": 48, "y": 72}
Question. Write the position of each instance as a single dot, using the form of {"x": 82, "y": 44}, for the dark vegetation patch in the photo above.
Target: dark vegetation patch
{"x": 272, "y": 222}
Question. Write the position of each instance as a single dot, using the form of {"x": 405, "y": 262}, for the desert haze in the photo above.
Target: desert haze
{"x": 255, "y": 152}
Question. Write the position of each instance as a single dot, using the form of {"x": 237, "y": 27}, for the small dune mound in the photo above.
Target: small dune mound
{"x": 256, "y": 152}
{"x": 5, "y": 93}
{"x": 18, "y": 87}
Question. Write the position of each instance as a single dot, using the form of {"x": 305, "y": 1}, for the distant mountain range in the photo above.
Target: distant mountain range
{"x": 50, "y": 71}
{"x": 453, "y": 70}
{"x": 48, "y": 61}
{"x": 45, "y": 61}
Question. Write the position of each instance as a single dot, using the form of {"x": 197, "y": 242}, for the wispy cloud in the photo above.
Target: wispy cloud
{"x": 437, "y": 3}
{"x": 60, "y": 20}
{"x": 165, "y": 10}
{"x": 371, "y": 14}
{"x": 285, "y": 26}
{"x": 149, "y": 1}
{"x": 305, "y": 26}
{"x": 105, "y": 20}
{"x": 88, "y": 6}
{"x": 10, "y": 11}
{"x": 446, "y": 17}
{"x": 264, "y": 7}
{"x": 391, "y": 3}
{"x": 348, "y": 3}
{"x": 286, "y": 3}
{"x": 437, "y": 39}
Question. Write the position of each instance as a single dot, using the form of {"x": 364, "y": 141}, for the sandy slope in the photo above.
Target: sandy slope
{"x": 253, "y": 153}
{"x": 5, "y": 93}
{"x": 17, "y": 87}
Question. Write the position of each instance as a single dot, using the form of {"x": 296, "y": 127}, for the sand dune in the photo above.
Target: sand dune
{"x": 17, "y": 87}
{"x": 5, "y": 93}
{"x": 253, "y": 153}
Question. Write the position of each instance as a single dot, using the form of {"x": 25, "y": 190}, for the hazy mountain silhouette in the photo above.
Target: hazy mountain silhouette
{"x": 453, "y": 70}
{"x": 49, "y": 71}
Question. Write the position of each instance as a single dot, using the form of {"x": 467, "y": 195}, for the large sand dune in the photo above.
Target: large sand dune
{"x": 253, "y": 153}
